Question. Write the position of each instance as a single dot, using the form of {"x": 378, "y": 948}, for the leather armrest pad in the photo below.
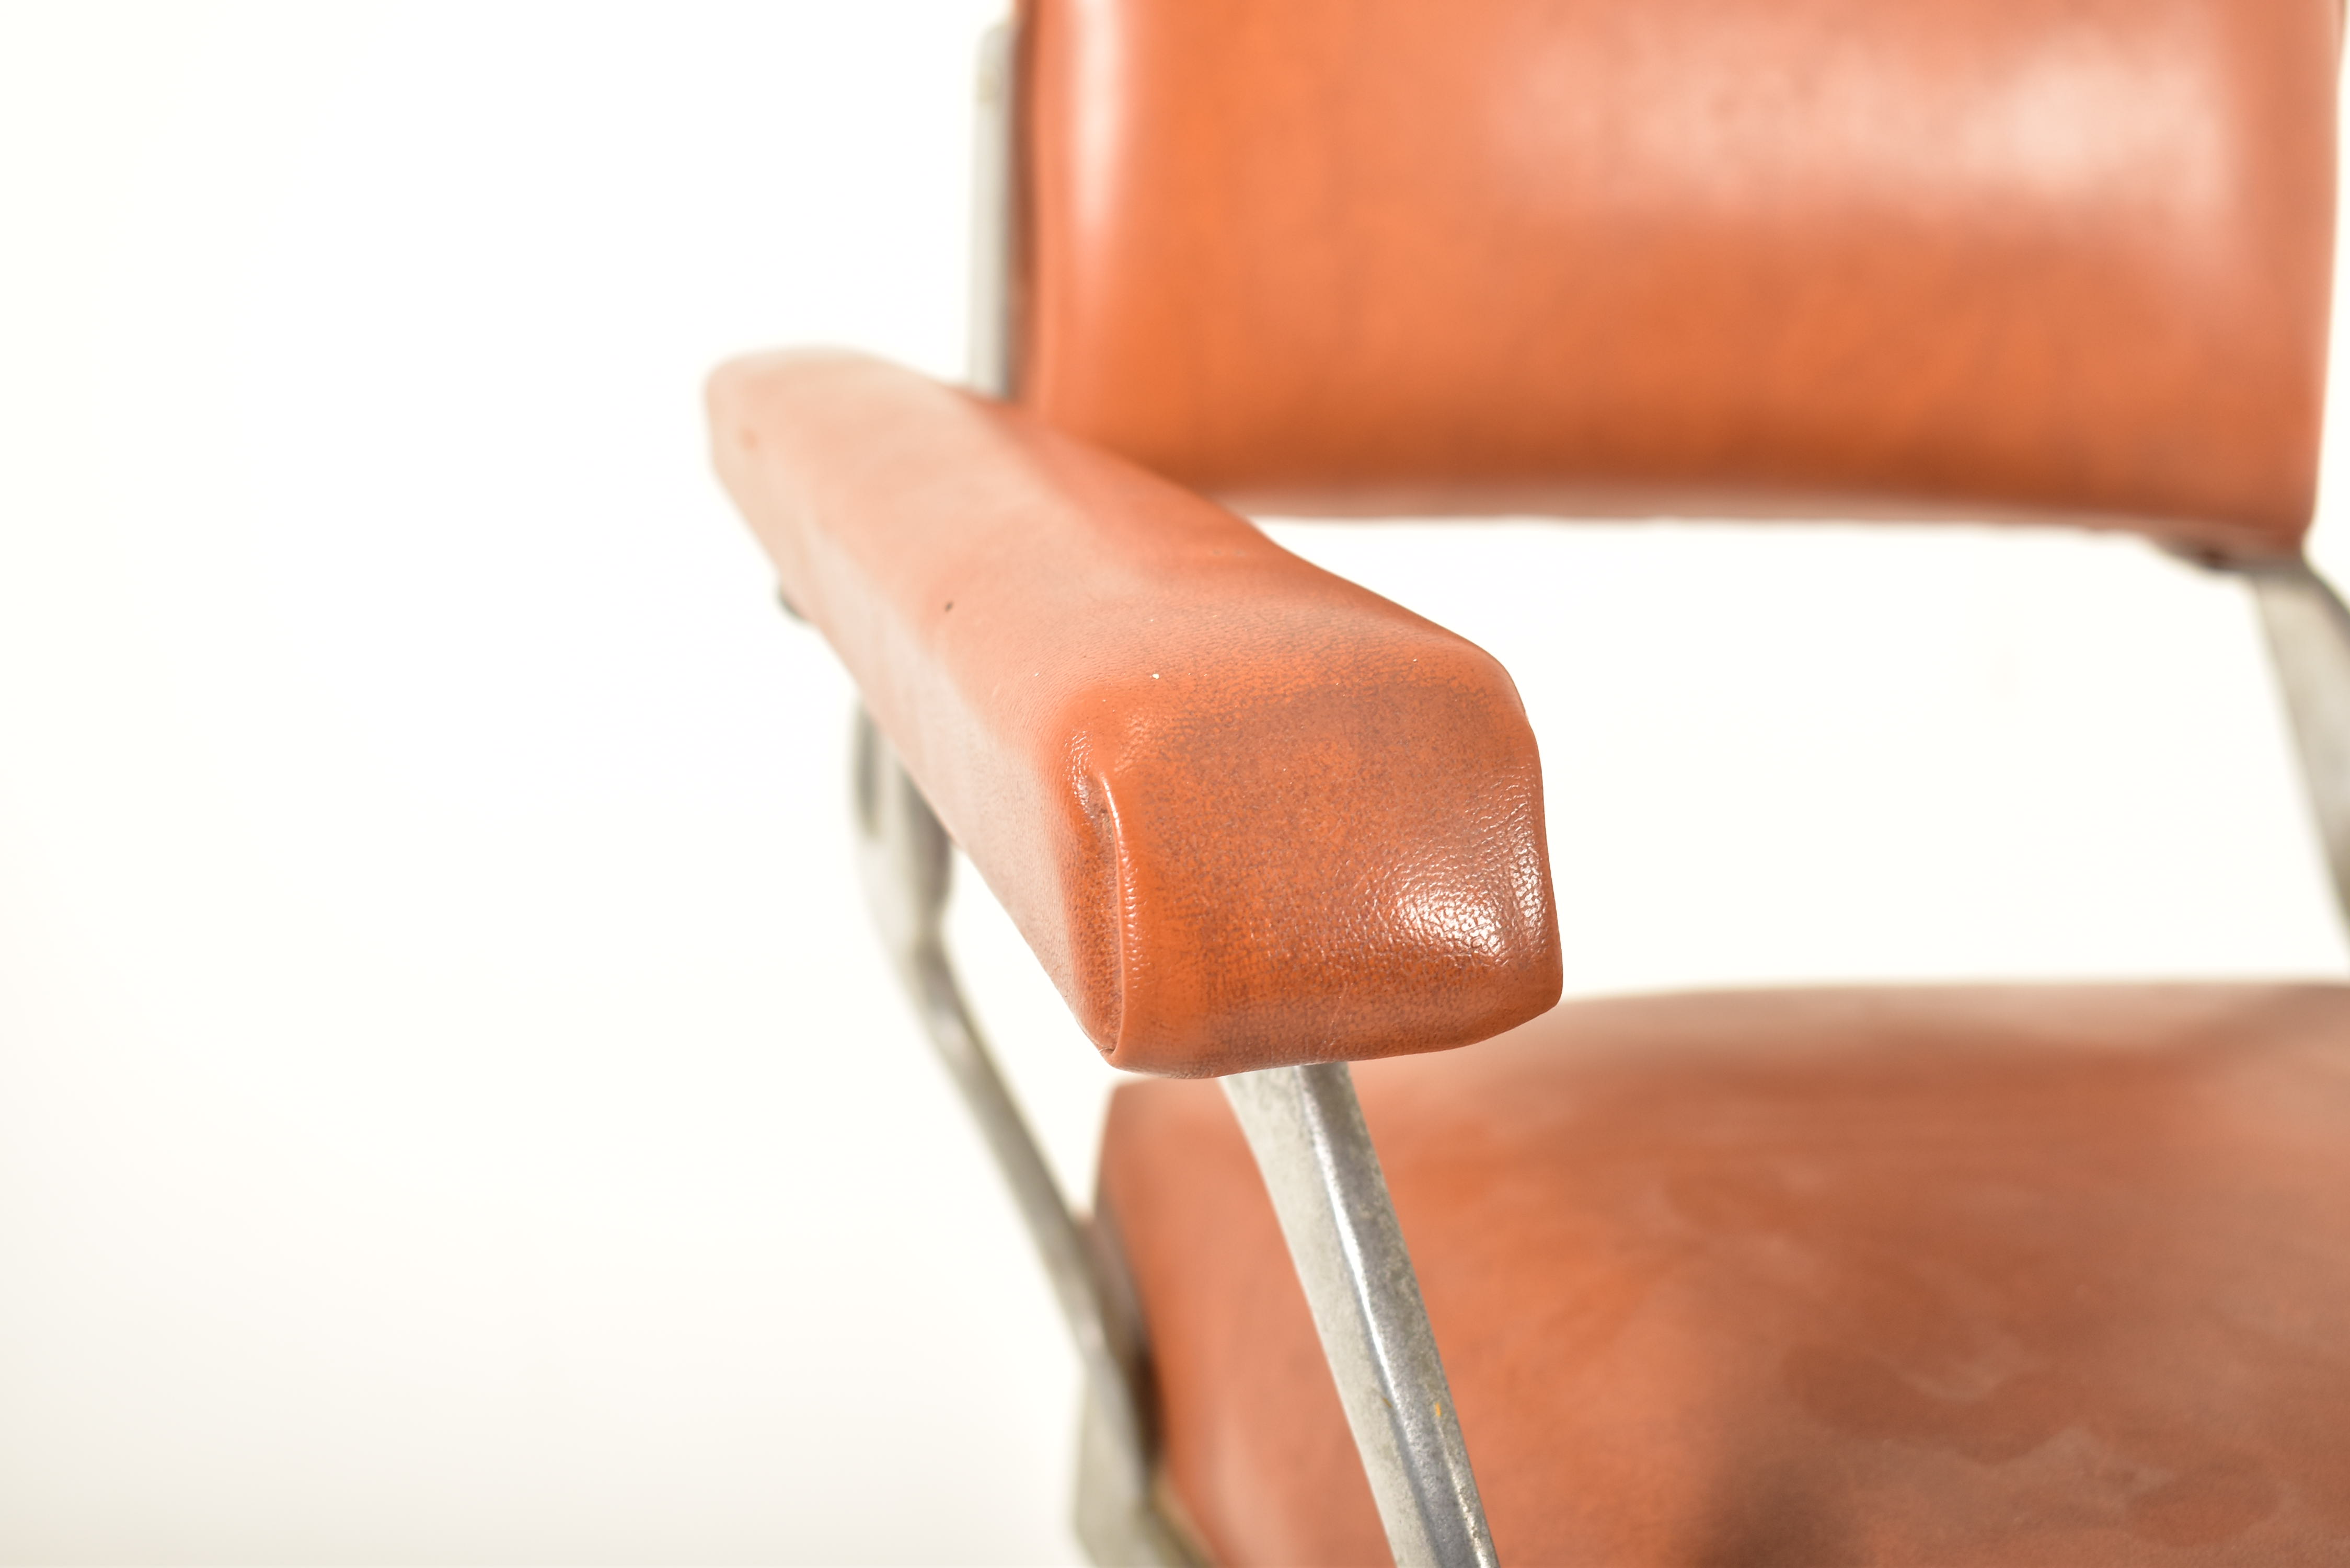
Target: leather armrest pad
{"x": 1246, "y": 813}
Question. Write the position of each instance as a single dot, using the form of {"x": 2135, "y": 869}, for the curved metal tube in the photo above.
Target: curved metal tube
{"x": 907, "y": 862}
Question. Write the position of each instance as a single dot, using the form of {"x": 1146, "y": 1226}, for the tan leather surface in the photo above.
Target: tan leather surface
{"x": 1980, "y": 1277}
{"x": 2059, "y": 259}
{"x": 1245, "y": 811}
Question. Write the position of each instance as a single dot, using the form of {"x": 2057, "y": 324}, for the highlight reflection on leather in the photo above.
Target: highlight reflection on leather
{"x": 1986, "y": 1276}
{"x": 2049, "y": 258}
{"x": 1246, "y": 813}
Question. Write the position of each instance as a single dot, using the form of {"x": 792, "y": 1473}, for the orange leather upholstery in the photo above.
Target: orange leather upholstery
{"x": 1985, "y": 1277}
{"x": 2062, "y": 259}
{"x": 1246, "y": 813}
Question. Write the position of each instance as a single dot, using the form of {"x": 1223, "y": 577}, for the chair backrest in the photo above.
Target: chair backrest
{"x": 2049, "y": 260}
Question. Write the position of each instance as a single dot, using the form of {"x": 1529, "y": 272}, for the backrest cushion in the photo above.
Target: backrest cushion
{"x": 2040, "y": 259}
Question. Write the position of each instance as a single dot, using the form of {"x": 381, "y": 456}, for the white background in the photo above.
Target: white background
{"x": 449, "y": 1107}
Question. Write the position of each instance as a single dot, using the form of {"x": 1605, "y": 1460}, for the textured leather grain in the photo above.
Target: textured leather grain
{"x": 1245, "y": 811}
{"x": 1984, "y": 1277}
{"x": 2043, "y": 259}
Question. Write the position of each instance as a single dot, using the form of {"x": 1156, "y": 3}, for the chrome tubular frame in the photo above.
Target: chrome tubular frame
{"x": 908, "y": 861}
{"x": 2308, "y": 629}
{"x": 1306, "y": 1129}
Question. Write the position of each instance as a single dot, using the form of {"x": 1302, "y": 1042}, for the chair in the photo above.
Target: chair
{"x": 2012, "y": 1275}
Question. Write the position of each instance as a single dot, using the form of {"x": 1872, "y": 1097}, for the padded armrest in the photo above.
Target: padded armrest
{"x": 1246, "y": 813}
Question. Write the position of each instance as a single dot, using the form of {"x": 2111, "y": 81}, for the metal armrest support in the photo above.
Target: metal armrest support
{"x": 907, "y": 862}
{"x": 1306, "y": 1131}
{"x": 2308, "y": 629}
{"x": 1305, "y": 1128}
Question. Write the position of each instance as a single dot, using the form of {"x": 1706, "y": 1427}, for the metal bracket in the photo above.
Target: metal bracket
{"x": 2308, "y": 630}
{"x": 1307, "y": 1130}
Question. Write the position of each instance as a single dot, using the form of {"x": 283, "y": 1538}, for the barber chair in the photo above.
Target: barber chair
{"x": 2008, "y": 1275}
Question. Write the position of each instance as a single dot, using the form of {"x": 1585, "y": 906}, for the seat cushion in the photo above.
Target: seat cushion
{"x": 2028, "y": 1276}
